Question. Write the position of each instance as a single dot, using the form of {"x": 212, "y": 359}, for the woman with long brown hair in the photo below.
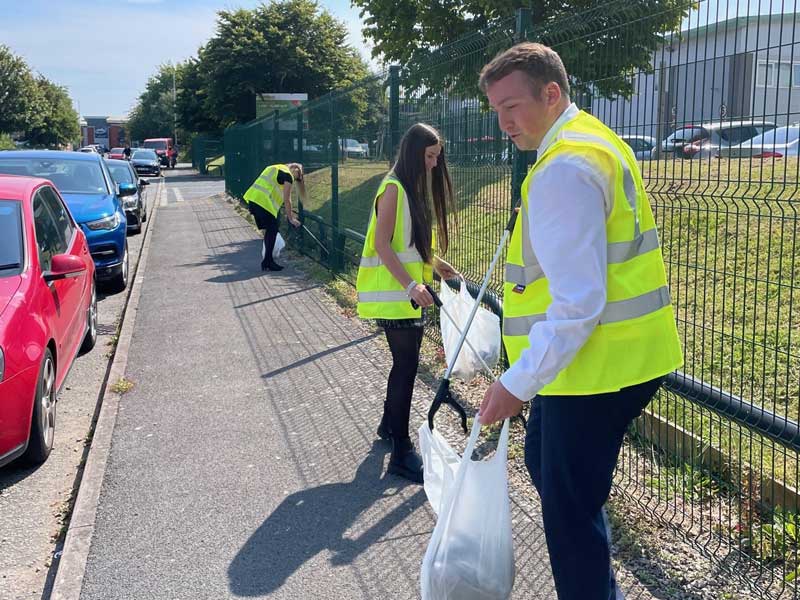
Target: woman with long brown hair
{"x": 407, "y": 226}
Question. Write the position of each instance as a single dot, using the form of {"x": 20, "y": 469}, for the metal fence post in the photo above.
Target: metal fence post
{"x": 275, "y": 138}
{"x": 521, "y": 158}
{"x": 300, "y": 136}
{"x": 394, "y": 110}
{"x": 335, "y": 256}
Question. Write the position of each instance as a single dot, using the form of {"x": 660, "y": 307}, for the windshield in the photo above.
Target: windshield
{"x": 144, "y": 155}
{"x": 69, "y": 176}
{"x": 10, "y": 237}
{"x": 156, "y": 144}
{"x": 121, "y": 173}
{"x": 781, "y": 135}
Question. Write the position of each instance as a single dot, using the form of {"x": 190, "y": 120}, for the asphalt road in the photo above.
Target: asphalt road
{"x": 34, "y": 500}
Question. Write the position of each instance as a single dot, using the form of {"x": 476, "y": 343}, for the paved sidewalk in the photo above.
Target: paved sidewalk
{"x": 244, "y": 461}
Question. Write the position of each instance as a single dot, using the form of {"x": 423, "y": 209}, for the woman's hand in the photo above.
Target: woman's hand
{"x": 445, "y": 269}
{"x": 421, "y": 295}
{"x": 293, "y": 221}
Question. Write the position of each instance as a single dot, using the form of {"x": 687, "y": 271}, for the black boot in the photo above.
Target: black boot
{"x": 404, "y": 461}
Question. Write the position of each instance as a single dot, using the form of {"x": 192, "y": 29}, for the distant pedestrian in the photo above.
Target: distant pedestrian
{"x": 127, "y": 152}
{"x": 271, "y": 190}
{"x": 405, "y": 228}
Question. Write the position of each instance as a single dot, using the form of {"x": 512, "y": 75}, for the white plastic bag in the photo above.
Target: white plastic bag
{"x": 471, "y": 552}
{"x": 280, "y": 244}
{"x": 483, "y": 335}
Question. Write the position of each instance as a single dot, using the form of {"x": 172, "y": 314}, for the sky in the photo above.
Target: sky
{"x": 103, "y": 51}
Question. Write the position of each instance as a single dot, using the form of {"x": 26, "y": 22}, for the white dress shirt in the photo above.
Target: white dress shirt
{"x": 567, "y": 204}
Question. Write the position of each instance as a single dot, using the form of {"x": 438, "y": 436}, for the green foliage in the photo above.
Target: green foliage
{"x": 58, "y": 123}
{"x": 776, "y": 540}
{"x": 692, "y": 482}
{"x": 20, "y": 100}
{"x": 424, "y": 37}
{"x": 6, "y": 143}
{"x": 153, "y": 115}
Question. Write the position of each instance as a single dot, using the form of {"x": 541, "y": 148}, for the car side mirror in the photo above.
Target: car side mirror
{"x": 143, "y": 181}
{"x": 127, "y": 189}
{"x": 63, "y": 266}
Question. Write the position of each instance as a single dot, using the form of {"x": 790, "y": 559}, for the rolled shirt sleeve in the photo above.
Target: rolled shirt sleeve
{"x": 567, "y": 223}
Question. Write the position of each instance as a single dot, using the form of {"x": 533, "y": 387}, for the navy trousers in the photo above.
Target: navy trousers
{"x": 571, "y": 449}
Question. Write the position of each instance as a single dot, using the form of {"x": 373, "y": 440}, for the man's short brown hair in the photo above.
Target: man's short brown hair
{"x": 539, "y": 62}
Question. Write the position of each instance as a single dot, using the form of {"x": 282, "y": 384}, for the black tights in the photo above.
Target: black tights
{"x": 404, "y": 344}
{"x": 270, "y": 235}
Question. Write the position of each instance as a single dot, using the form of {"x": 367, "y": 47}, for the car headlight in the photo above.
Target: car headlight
{"x": 107, "y": 223}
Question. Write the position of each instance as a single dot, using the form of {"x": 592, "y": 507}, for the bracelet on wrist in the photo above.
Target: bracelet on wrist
{"x": 410, "y": 287}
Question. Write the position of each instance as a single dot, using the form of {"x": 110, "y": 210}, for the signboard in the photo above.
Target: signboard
{"x": 267, "y": 103}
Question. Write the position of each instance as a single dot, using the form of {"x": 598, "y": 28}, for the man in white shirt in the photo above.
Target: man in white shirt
{"x": 588, "y": 325}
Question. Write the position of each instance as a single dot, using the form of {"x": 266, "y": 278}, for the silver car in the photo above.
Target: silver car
{"x": 643, "y": 146}
{"x": 702, "y": 141}
{"x": 777, "y": 143}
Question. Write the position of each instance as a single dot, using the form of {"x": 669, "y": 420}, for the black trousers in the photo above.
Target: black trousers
{"x": 571, "y": 450}
{"x": 404, "y": 344}
{"x": 269, "y": 223}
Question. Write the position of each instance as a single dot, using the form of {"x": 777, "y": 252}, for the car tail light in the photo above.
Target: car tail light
{"x": 768, "y": 155}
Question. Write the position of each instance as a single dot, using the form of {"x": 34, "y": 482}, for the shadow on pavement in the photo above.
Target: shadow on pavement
{"x": 316, "y": 519}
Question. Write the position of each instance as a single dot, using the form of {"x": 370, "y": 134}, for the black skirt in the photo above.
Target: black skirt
{"x": 264, "y": 219}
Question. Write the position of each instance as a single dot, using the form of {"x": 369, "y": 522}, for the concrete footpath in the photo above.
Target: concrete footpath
{"x": 243, "y": 462}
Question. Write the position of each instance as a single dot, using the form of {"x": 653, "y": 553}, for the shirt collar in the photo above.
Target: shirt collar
{"x": 569, "y": 113}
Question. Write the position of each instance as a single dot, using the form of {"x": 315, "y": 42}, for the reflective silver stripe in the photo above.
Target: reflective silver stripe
{"x": 262, "y": 189}
{"x": 621, "y": 310}
{"x": 627, "y": 177}
{"x": 521, "y": 325}
{"x": 411, "y": 256}
{"x": 620, "y": 252}
{"x": 647, "y": 303}
{"x": 523, "y": 275}
{"x": 400, "y": 296}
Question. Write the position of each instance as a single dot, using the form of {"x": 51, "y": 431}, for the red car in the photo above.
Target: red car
{"x": 48, "y": 311}
{"x": 117, "y": 153}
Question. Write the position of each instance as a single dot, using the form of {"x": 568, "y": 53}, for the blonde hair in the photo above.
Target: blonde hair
{"x": 301, "y": 184}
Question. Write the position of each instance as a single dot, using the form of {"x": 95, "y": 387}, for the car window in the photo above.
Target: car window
{"x": 737, "y": 135}
{"x": 49, "y": 240}
{"x": 11, "y": 251}
{"x": 781, "y": 135}
{"x": 68, "y": 175}
{"x": 121, "y": 173}
{"x": 60, "y": 215}
{"x": 144, "y": 155}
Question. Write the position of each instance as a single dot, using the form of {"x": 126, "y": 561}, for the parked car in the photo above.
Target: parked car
{"x": 133, "y": 190}
{"x": 146, "y": 162}
{"x": 116, "y": 154}
{"x": 83, "y": 180}
{"x": 164, "y": 148}
{"x": 89, "y": 150}
{"x": 643, "y": 146}
{"x": 48, "y": 311}
{"x": 702, "y": 141}
{"x": 777, "y": 143}
{"x": 351, "y": 148}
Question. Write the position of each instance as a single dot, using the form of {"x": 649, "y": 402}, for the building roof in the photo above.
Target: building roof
{"x": 791, "y": 19}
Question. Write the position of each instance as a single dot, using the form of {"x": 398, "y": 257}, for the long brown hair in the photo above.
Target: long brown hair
{"x": 409, "y": 168}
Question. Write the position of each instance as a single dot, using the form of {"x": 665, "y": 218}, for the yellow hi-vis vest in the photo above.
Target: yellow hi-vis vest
{"x": 266, "y": 191}
{"x": 636, "y": 339}
{"x": 380, "y": 295}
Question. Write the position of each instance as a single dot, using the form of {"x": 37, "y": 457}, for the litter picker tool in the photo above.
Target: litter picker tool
{"x": 443, "y": 395}
{"x": 313, "y": 237}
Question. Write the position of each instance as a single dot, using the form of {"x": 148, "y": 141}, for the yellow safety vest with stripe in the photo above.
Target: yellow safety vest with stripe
{"x": 636, "y": 339}
{"x": 266, "y": 191}
{"x": 380, "y": 295}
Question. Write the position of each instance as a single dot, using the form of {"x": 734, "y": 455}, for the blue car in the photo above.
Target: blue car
{"x": 93, "y": 199}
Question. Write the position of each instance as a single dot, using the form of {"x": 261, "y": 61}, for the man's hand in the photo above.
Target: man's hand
{"x": 498, "y": 404}
{"x": 445, "y": 269}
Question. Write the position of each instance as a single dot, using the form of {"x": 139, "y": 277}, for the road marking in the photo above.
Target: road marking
{"x": 178, "y": 195}
{"x": 163, "y": 193}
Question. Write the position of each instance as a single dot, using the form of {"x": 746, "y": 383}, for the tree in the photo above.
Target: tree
{"x": 595, "y": 39}
{"x": 154, "y": 112}
{"x": 284, "y": 46}
{"x": 20, "y": 101}
{"x": 58, "y": 124}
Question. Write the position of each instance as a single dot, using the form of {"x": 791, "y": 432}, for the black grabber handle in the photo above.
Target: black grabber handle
{"x": 436, "y": 300}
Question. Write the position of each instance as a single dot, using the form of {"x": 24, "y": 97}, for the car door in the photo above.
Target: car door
{"x": 56, "y": 234}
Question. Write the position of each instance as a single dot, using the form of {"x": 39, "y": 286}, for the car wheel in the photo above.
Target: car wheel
{"x": 120, "y": 280}
{"x": 43, "y": 422}
{"x": 90, "y": 339}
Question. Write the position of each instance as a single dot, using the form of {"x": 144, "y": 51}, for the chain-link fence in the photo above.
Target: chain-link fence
{"x": 708, "y": 97}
